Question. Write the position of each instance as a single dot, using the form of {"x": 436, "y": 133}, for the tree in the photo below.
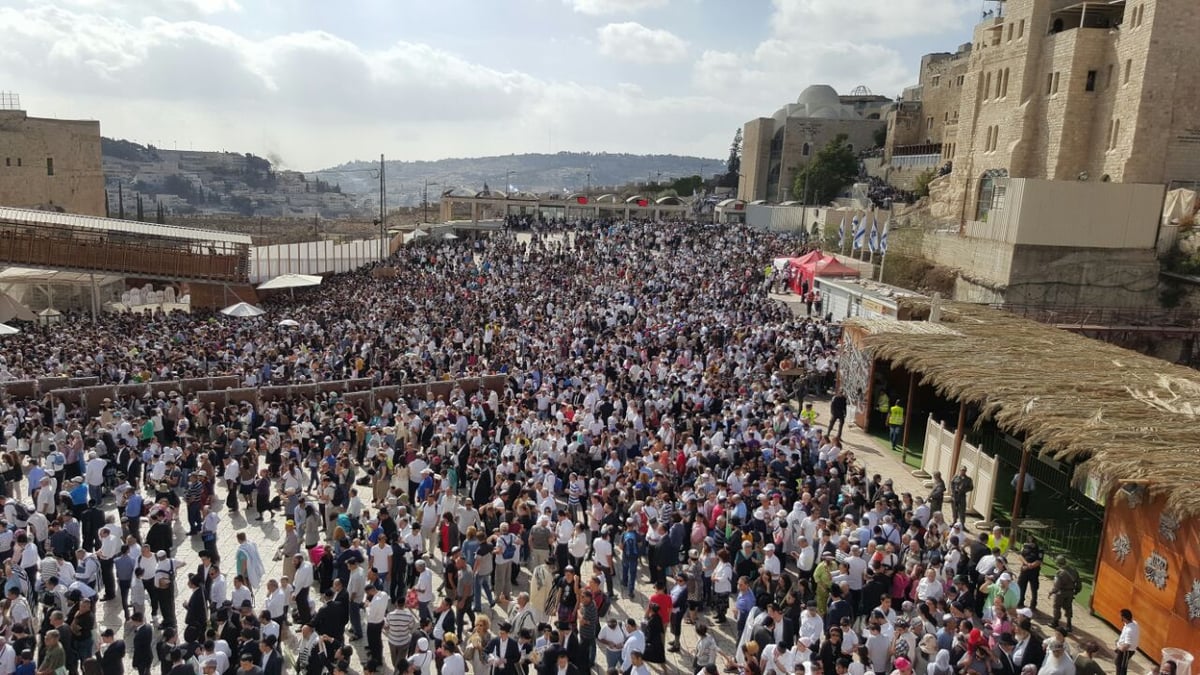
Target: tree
{"x": 733, "y": 165}
{"x": 921, "y": 184}
{"x": 141, "y": 214}
{"x": 830, "y": 171}
{"x": 120, "y": 201}
{"x": 161, "y": 216}
{"x": 686, "y": 186}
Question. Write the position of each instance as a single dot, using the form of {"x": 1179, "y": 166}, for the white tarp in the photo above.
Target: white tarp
{"x": 1179, "y": 205}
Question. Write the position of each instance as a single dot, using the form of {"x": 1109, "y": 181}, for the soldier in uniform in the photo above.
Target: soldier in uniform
{"x": 1031, "y": 568}
{"x": 1066, "y": 586}
{"x": 960, "y": 487}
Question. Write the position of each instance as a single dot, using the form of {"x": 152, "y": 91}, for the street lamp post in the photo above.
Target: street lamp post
{"x": 382, "y": 211}
{"x": 425, "y": 201}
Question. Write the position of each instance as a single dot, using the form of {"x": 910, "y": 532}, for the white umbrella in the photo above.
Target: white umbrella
{"x": 243, "y": 309}
{"x": 290, "y": 281}
{"x": 449, "y": 235}
{"x": 419, "y": 233}
{"x": 290, "y": 323}
{"x": 6, "y": 329}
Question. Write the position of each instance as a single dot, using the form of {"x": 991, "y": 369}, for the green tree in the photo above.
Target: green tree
{"x": 832, "y": 169}
{"x": 733, "y": 165}
{"x": 686, "y": 186}
{"x": 921, "y": 184}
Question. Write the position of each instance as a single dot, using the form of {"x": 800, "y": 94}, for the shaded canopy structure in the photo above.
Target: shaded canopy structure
{"x": 1122, "y": 415}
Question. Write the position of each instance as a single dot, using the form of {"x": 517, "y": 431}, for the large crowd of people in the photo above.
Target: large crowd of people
{"x": 643, "y": 448}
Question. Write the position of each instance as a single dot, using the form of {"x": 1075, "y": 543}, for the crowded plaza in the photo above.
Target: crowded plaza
{"x": 640, "y": 492}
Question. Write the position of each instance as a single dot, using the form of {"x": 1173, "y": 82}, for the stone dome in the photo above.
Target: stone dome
{"x": 819, "y": 96}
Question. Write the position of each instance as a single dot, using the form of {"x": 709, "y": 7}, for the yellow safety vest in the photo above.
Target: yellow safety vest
{"x": 881, "y": 403}
{"x": 998, "y": 543}
{"x": 896, "y": 416}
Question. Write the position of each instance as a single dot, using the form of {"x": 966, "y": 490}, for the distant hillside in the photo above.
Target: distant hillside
{"x": 534, "y": 172}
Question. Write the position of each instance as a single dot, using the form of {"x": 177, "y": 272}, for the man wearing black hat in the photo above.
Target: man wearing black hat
{"x": 503, "y": 652}
{"x": 143, "y": 644}
{"x": 111, "y": 653}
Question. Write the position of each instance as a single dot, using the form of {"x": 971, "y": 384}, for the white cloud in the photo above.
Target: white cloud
{"x": 601, "y": 7}
{"x": 843, "y": 43}
{"x": 317, "y": 99}
{"x": 859, "y": 19}
{"x": 154, "y": 7}
{"x": 631, "y": 41}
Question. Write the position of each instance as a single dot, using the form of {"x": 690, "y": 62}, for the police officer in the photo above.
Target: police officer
{"x": 1066, "y": 586}
{"x": 1028, "y": 579}
{"x": 960, "y": 487}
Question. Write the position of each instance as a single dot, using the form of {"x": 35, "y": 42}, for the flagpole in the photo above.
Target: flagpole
{"x": 882, "y": 262}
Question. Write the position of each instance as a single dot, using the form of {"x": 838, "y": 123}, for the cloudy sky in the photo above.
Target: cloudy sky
{"x": 315, "y": 83}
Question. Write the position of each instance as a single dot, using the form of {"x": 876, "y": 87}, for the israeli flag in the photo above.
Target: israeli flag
{"x": 860, "y": 231}
{"x": 842, "y": 232}
{"x": 883, "y": 236}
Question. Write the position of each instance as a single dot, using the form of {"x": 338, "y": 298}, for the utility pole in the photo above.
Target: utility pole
{"x": 588, "y": 191}
{"x": 382, "y": 212}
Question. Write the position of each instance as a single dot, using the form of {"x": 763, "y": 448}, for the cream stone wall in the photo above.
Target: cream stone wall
{"x": 1026, "y": 106}
{"x": 28, "y": 145}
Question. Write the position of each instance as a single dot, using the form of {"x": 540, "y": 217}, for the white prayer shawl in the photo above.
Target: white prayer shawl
{"x": 254, "y": 564}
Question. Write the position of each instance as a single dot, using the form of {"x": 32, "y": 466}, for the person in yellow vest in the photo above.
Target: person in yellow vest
{"x": 882, "y": 405}
{"x": 809, "y": 415}
{"x": 895, "y": 420}
{"x": 997, "y": 540}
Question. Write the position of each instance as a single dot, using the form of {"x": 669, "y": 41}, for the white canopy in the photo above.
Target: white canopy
{"x": 290, "y": 323}
{"x": 11, "y": 309}
{"x": 6, "y": 329}
{"x": 449, "y": 235}
{"x": 243, "y": 309}
{"x": 290, "y": 281}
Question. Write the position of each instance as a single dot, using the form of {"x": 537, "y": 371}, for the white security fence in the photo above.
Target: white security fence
{"x": 938, "y": 455}
{"x": 315, "y": 257}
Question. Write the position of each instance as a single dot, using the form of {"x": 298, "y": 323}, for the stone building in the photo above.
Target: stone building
{"x": 1068, "y": 90}
{"x": 922, "y": 129}
{"x": 49, "y": 163}
{"x": 774, "y": 148}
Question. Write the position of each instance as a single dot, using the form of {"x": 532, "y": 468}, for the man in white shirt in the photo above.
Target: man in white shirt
{"x": 301, "y": 587}
{"x": 770, "y": 561}
{"x": 1127, "y": 642}
{"x": 424, "y": 588}
{"x": 110, "y": 548}
{"x": 218, "y": 589}
{"x": 635, "y": 641}
{"x": 377, "y": 608}
{"x": 94, "y": 474}
{"x": 276, "y": 604}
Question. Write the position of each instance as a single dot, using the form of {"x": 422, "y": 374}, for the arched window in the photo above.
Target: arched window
{"x": 805, "y": 150}
{"x": 992, "y": 189}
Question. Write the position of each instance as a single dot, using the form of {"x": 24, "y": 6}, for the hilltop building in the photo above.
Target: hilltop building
{"x": 1060, "y": 126}
{"x": 49, "y": 164}
{"x": 774, "y": 148}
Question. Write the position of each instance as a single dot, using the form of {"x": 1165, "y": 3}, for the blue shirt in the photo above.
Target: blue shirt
{"x": 133, "y": 508}
{"x": 79, "y": 495}
{"x": 745, "y": 601}
{"x": 35, "y": 478}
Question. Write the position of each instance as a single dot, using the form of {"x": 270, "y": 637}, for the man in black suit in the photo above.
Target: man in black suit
{"x": 111, "y": 653}
{"x": 571, "y": 644}
{"x": 271, "y": 661}
{"x": 1029, "y": 649}
{"x": 504, "y": 652}
{"x": 143, "y": 644}
{"x": 195, "y": 618}
{"x": 563, "y": 665}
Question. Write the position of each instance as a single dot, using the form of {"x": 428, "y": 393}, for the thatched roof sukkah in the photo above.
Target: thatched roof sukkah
{"x": 1122, "y": 414}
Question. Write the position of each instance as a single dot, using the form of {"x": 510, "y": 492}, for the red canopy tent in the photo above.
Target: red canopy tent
{"x": 805, "y": 268}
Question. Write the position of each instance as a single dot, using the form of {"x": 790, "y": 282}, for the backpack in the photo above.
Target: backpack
{"x": 20, "y": 512}
{"x": 339, "y": 496}
{"x": 603, "y": 604}
{"x": 629, "y": 545}
{"x": 510, "y": 549}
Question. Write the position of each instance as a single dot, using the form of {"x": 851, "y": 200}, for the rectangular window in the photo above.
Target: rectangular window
{"x": 1008, "y": 35}
{"x": 1128, "y": 69}
{"x": 936, "y": 81}
{"x": 18, "y": 161}
{"x": 1091, "y": 81}
{"x": 49, "y": 166}
{"x": 1049, "y": 83}
{"x": 1108, "y": 78}
{"x": 1056, "y": 82}
{"x": 929, "y": 123}
{"x": 8, "y": 161}
{"x": 1021, "y": 29}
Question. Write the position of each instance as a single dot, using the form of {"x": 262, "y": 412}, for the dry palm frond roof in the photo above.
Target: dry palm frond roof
{"x": 1124, "y": 415}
